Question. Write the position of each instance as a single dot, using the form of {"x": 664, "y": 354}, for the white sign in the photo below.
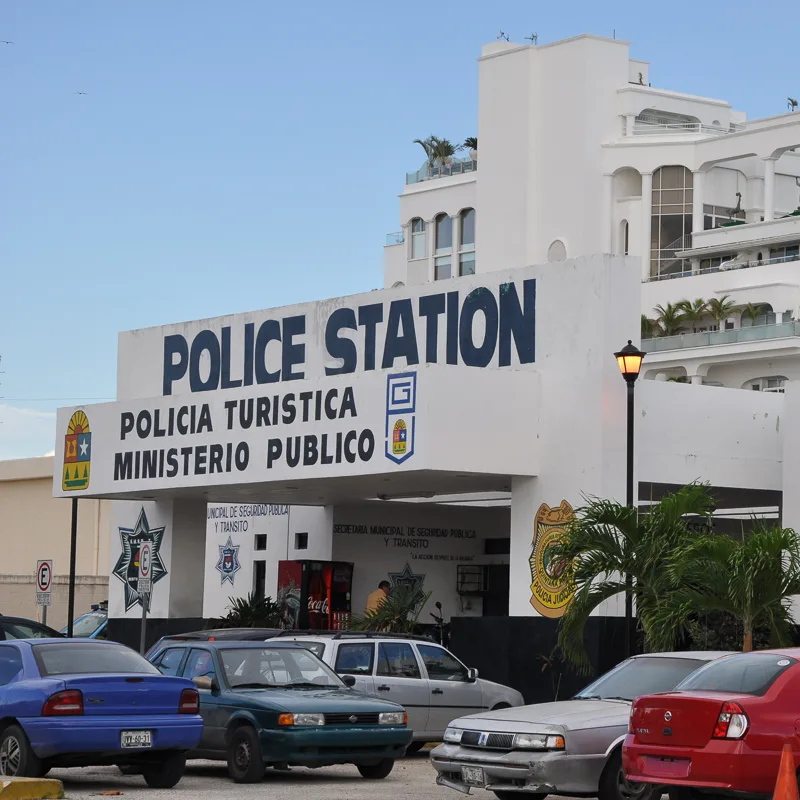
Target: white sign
{"x": 44, "y": 582}
{"x": 145, "y": 585}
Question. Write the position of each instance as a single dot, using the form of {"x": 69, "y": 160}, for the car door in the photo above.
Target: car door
{"x": 10, "y": 670}
{"x": 200, "y": 663}
{"x": 398, "y": 678}
{"x": 356, "y": 659}
{"x": 452, "y": 693}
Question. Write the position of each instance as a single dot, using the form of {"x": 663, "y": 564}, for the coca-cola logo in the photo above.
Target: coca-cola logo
{"x": 318, "y": 606}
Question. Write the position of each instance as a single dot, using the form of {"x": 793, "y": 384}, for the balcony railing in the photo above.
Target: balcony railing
{"x": 395, "y": 238}
{"x": 723, "y": 268}
{"x": 644, "y": 128}
{"x": 427, "y": 173}
{"x": 754, "y": 333}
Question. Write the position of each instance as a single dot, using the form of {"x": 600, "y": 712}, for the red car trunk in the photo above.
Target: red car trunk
{"x": 127, "y": 694}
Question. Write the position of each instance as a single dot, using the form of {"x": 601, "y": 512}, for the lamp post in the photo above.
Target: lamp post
{"x": 630, "y": 362}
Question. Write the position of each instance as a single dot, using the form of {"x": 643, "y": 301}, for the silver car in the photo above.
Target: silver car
{"x": 573, "y": 747}
{"x": 428, "y": 681}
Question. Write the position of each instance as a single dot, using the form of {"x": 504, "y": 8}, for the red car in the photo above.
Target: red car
{"x": 721, "y": 730}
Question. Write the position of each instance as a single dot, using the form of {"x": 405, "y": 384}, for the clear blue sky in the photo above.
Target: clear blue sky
{"x": 247, "y": 154}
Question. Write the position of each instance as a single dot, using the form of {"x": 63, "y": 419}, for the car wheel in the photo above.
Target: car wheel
{"x": 414, "y": 747}
{"x": 16, "y": 755}
{"x": 376, "y": 772}
{"x": 501, "y": 795}
{"x": 166, "y": 773}
{"x": 245, "y": 762}
{"x": 615, "y": 786}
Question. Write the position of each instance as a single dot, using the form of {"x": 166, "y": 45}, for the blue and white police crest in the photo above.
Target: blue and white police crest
{"x": 401, "y": 417}
{"x": 127, "y": 566}
{"x": 228, "y": 564}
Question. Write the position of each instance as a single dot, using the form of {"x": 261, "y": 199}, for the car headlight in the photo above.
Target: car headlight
{"x": 303, "y": 720}
{"x": 393, "y": 718}
{"x": 453, "y": 735}
{"x": 538, "y": 741}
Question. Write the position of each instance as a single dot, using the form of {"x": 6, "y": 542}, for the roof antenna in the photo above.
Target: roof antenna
{"x": 533, "y": 38}
{"x": 503, "y": 37}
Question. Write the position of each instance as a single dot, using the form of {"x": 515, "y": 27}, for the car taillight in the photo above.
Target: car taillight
{"x": 189, "y": 702}
{"x": 732, "y": 722}
{"x": 64, "y": 704}
{"x": 630, "y": 720}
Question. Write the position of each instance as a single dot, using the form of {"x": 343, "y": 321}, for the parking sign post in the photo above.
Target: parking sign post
{"x": 145, "y": 587}
{"x": 44, "y": 584}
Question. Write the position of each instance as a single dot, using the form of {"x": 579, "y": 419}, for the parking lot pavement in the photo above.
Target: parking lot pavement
{"x": 412, "y": 779}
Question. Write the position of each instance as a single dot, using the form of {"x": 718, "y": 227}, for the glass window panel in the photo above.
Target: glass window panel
{"x": 443, "y": 268}
{"x": 467, "y": 266}
{"x": 468, "y": 227}
{"x": 418, "y": 246}
{"x": 444, "y": 233}
{"x": 417, "y": 225}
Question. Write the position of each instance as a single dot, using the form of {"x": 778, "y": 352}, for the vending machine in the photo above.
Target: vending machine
{"x": 314, "y": 595}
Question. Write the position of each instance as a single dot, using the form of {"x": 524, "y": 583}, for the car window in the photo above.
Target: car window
{"x": 317, "y": 648}
{"x": 10, "y": 664}
{"x": 397, "y": 660}
{"x": 254, "y": 668}
{"x": 21, "y": 630}
{"x": 169, "y": 661}
{"x": 751, "y": 673}
{"x": 355, "y": 659}
{"x": 86, "y": 625}
{"x": 75, "y": 657}
{"x": 440, "y": 664}
{"x": 199, "y": 664}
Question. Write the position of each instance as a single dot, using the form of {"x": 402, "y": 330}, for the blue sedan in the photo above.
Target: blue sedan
{"x": 78, "y": 703}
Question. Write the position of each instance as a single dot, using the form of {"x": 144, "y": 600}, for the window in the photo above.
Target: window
{"x": 443, "y": 249}
{"x": 260, "y": 542}
{"x": 790, "y": 252}
{"x": 419, "y": 247}
{"x": 301, "y": 541}
{"x": 355, "y": 659}
{"x": 90, "y": 657}
{"x": 713, "y": 264}
{"x": 715, "y": 216}
{"x": 277, "y": 666}
{"x": 441, "y": 665}
{"x": 20, "y": 630}
{"x": 671, "y": 221}
{"x": 749, "y": 673}
{"x": 170, "y": 660}
{"x": 200, "y": 664}
{"x": 466, "y": 245}
{"x": 773, "y": 383}
{"x": 260, "y": 578}
{"x": 317, "y": 648}
{"x": 397, "y": 660}
{"x": 557, "y": 251}
{"x": 624, "y": 237}
{"x": 10, "y": 664}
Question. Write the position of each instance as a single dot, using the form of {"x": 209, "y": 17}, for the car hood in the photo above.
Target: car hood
{"x": 321, "y": 701}
{"x": 562, "y": 716}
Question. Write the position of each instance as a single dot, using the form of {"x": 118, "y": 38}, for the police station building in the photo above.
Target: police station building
{"x": 442, "y": 430}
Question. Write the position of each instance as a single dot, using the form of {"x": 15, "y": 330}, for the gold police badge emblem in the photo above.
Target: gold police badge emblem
{"x": 551, "y": 590}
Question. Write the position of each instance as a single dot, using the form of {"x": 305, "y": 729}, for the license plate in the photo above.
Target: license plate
{"x": 136, "y": 739}
{"x": 473, "y": 776}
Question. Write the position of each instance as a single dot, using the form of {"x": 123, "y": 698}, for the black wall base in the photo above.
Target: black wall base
{"x": 512, "y": 651}
{"x": 128, "y": 631}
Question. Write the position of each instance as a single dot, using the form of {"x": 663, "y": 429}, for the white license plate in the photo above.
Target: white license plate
{"x": 136, "y": 739}
{"x": 473, "y": 776}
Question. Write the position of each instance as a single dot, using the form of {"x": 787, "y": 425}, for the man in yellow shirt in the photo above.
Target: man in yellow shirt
{"x": 376, "y": 599}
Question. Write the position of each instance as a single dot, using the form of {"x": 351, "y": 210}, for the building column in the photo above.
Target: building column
{"x": 769, "y": 189}
{"x": 697, "y": 201}
{"x": 630, "y": 121}
{"x": 608, "y": 214}
{"x": 697, "y": 380}
{"x": 647, "y": 209}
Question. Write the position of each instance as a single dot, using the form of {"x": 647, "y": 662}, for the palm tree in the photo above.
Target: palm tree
{"x": 608, "y": 541}
{"x": 470, "y": 143}
{"x": 398, "y": 613}
{"x": 721, "y": 308}
{"x": 650, "y": 327}
{"x": 693, "y": 311}
{"x": 750, "y": 577}
{"x": 791, "y": 104}
{"x": 670, "y": 318}
{"x": 436, "y": 149}
{"x": 753, "y": 311}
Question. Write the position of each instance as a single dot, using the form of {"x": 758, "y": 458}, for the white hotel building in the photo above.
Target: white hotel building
{"x": 579, "y": 154}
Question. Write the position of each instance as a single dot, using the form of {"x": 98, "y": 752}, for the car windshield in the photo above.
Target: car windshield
{"x": 638, "y": 676}
{"x": 256, "y": 668}
{"x": 751, "y": 673}
{"x": 91, "y": 658}
{"x": 86, "y": 625}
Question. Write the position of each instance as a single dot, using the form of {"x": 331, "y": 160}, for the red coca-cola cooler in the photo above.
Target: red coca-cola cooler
{"x": 315, "y": 595}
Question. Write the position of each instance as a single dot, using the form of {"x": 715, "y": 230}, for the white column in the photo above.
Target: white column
{"x": 608, "y": 213}
{"x": 697, "y": 380}
{"x": 769, "y": 189}
{"x": 630, "y": 121}
{"x": 697, "y": 201}
{"x": 647, "y": 208}
{"x": 430, "y": 238}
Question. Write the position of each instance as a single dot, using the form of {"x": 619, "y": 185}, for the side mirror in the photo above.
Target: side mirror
{"x": 348, "y": 680}
{"x": 203, "y": 682}
{"x": 472, "y": 675}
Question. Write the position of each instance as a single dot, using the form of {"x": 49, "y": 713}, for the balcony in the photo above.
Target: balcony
{"x": 395, "y": 238}
{"x": 725, "y": 267}
{"x": 458, "y": 166}
{"x": 754, "y": 333}
{"x": 646, "y": 127}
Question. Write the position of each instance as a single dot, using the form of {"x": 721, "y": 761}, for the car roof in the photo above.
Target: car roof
{"x": 408, "y": 637}
{"x": 224, "y": 633}
{"x": 62, "y": 640}
{"x": 249, "y": 645}
{"x": 694, "y": 655}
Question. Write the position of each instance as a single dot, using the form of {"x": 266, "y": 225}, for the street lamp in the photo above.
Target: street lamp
{"x": 630, "y": 362}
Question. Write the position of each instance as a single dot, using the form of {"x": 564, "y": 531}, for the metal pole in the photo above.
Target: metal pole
{"x": 143, "y": 636}
{"x": 73, "y": 547}
{"x": 44, "y": 615}
{"x": 630, "y": 504}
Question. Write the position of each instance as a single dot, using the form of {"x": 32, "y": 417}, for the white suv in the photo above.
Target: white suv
{"x": 428, "y": 681}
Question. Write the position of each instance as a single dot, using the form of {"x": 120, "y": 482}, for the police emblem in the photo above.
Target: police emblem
{"x": 127, "y": 566}
{"x": 77, "y": 454}
{"x": 551, "y": 589}
{"x": 228, "y": 564}
{"x": 401, "y": 406}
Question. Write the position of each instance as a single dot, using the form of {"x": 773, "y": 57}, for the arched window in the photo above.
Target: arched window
{"x": 671, "y": 222}
{"x": 624, "y": 237}
{"x": 466, "y": 245}
{"x": 772, "y": 383}
{"x": 443, "y": 247}
{"x": 419, "y": 247}
{"x": 557, "y": 251}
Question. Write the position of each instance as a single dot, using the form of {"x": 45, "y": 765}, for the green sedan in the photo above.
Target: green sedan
{"x": 278, "y": 705}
